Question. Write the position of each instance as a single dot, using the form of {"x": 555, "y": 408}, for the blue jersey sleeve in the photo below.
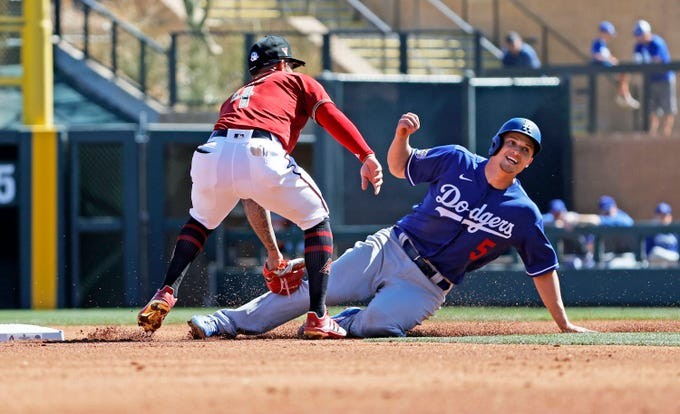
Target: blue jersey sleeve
{"x": 536, "y": 251}
{"x": 427, "y": 165}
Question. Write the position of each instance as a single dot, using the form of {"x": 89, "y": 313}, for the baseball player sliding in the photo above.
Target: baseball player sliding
{"x": 474, "y": 211}
{"x": 248, "y": 157}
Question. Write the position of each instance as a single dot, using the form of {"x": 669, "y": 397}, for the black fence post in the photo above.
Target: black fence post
{"x": 478, "y": 52}
{"x": 248, "y": 40}
{"x": 645, "y": 102}
{"x": 142, "y": 66}
{"x": 86, "y": 31}
{"x": 114, "y": 48}
{"x": 172, "y": 69}
{"x": 592, "y": 103}
{"x": 403, "y": 52}
{"x": 57, "y": 17}
{"x": 326, "y": 61}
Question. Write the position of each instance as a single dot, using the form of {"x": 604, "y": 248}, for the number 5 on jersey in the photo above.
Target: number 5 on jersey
{"x": 482, "y": 249}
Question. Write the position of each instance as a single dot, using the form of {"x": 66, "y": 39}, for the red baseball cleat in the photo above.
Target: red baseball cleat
{"x": 151, "y": 317}
{"x": 322, "y": 328}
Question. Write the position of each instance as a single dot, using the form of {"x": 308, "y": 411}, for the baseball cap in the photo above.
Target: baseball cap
{"x": 512, "y": 36}
{"x": 663, "y": 208}
{"x": 607, "y": 27}
{"x": 606, "y": 202}
{"x": 642, "y": 27}
{"x": 271, "y": 49}
{"x": 558, "y": 205}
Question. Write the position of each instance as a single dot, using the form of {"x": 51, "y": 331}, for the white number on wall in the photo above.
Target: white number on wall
{"x": 8, "y": 188}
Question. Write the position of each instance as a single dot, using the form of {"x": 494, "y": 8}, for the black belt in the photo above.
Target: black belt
{"x": 257, "y": 133}
{"x": 423, "y": 264}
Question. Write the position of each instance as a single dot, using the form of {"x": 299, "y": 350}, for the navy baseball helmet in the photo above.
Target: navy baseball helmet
{"x": 271, "y": 49}
{"x": 521, "y": 125}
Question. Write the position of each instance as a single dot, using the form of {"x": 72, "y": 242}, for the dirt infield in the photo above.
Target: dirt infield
{"x": 116, "y": 370}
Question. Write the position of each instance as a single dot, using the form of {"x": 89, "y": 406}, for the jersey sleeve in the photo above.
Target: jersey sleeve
{"x": 426, "y": 165}
{"x": 536, "y": 251}
{"x": 314, "y": 94}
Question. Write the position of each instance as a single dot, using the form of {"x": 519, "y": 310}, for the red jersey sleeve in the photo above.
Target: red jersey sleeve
{"x": 342, "y": 129}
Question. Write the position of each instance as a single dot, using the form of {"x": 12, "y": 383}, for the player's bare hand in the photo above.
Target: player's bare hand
{"x": 408, "y": 124}
{"x": 571, "y": 328}
{"x": 371, "y": 172}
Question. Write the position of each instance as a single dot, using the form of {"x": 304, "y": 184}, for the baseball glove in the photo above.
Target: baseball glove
{"x": 287, "y": 278}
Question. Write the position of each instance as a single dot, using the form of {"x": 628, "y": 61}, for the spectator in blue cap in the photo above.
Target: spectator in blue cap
{"x": 652, "y": 48}
{"x": 518, "y": 54}
{"x": 611, "y": 215}
{"x": 662, "y": 249}
{"x": 559, "y": 216}
{"x": 601, "y": 55}
{"x": 574, "y": 250}
{"x": 618, "y": 248}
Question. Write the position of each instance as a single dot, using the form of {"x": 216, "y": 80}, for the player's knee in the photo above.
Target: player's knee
{"x": 376, "y": 324}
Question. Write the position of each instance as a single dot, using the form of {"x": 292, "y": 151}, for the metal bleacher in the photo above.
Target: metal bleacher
{"x": 364, "y": 33}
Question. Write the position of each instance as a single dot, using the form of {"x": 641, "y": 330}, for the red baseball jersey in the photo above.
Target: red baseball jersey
{"x": 280, "y": 102}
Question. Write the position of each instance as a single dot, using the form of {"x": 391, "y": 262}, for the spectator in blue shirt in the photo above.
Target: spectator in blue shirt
{"x": 651, "y": 48}
{"x": 559, "y": 216}
{"x": 611, "y": 215}
{"x": 519, "y": 54}
{"x": 662, "y": 249}
{"x": 619, "y": 249}
{"x": 601, "y": 55}
{"x": 575, "y": 249}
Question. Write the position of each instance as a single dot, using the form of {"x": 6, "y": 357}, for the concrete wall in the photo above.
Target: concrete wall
{"x": 577, "y": 20}
{"x": 637, "y": 170}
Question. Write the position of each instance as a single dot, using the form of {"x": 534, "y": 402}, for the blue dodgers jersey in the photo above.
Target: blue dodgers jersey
{"x": 656, "y": 48}
{"x": 464, "y": 223}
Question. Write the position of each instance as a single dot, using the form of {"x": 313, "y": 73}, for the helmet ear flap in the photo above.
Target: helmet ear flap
{"x": 496, "y": 144}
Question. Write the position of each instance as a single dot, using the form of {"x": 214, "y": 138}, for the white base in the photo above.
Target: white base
{"x": 22, "y": 332}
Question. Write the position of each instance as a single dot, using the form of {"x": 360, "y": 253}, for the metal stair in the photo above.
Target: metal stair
{"x": 364, "y": 34}
{"x": 236, "y": 10}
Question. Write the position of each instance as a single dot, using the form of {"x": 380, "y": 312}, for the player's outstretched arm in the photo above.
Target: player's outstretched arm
{"x": 548, "y": 287}
{"x": 400, "y": 149}
{"x": 261, "y": 222}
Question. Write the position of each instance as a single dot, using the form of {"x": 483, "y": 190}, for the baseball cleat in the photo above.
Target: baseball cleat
{"x": 202, "y": 327}
{"x": 151, "y": 317}
{"x": 351, "y": 311}
{"x": 322, "y": 328}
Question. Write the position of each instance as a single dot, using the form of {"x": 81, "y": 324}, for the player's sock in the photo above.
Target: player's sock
{"x": 318, "y": 254}
{"x": 190, "y": 242}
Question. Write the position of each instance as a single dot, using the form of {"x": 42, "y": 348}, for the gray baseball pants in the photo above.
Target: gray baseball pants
{"x": 376, "y": 269}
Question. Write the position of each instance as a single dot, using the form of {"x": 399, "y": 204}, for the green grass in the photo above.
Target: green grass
{"x": 618, "y": 338}
{"x": 465, "y": 313}
{"x": 127, "y": 316}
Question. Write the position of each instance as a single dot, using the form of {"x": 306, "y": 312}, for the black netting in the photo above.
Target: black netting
{"x": 101, "y": 180}
{"x": 101, "y": 270}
